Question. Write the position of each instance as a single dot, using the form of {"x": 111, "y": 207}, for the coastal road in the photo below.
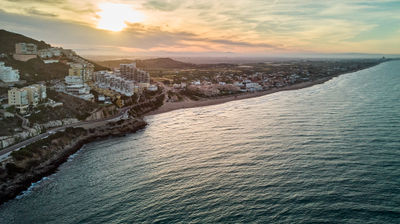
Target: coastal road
{"x": 6, "y": 151}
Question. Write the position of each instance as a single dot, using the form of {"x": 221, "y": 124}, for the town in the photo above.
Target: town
{"x": 88, "y": 91}
{"x": 23, "y": 106}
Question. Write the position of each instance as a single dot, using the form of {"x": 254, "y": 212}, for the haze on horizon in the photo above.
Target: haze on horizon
{"x": 208, "y": 27}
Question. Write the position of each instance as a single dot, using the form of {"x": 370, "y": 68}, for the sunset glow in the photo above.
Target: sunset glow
{"x": 114, "y": 17}
{"x": 211, "y": 27}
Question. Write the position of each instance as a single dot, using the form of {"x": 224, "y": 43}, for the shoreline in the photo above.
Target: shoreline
{"x": 20, "y": 181}
{"x": 171, "y": 106}
{"x": 43, "y": 165}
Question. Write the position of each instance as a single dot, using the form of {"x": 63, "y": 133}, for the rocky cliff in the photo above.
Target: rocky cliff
{"x": 42, "y": 158}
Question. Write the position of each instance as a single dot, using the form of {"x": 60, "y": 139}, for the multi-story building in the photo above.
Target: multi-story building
{"x": 50, "y": 52}
{"x": 31, "y": 95}
{"x": 130, "y": 71}
{"x": 88, "y": 71}
{"x": 36, "y": 93}
{"x": 18, "y": 97}
{"x": 84, "y": 70}
{"x": 127, "y": 81}
{"x": 75, "y": 69}
{"x": 25, "y": 48}
{"x": 68, "y": 53}
{"x": 7, "y": 74}
{"x": 73, "y": 80}
{"x": 75, "y": 85}
{"x": 109, "y": 80}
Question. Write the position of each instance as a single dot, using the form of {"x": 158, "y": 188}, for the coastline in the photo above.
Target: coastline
{"x": 30, "y": 170}
{"x": 18, "y": 181}
{"x": 171, "y": 106}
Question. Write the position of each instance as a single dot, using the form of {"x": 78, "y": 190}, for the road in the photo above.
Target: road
{"x": 6, "y": 151}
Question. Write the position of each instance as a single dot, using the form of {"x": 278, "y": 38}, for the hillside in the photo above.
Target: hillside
{"x": 162, "y": 63}
{"x": 114, "y": 63}
{"x": 149, "y": 64}
{"x": 33, "y": 70}
{"x": 9, "y": 39}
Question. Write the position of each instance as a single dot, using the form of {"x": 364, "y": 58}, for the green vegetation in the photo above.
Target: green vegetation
{"x": 34, "y": 70}
{"x": 73, "y": 107}
{"x": 191, "y": 94}
{"x": 149, "y": 64}
{"x": 11, "y": 109}
{"x": 142, "y": 108}
{"x": 36, "y": 148}
{"x": 8, "y": 125}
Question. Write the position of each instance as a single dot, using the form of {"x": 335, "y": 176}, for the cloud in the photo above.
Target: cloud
{"x": 50, "y": 2}
{"x": 164, "y": 5}
{"x": 238, "y": 26}
{"x": 34, "y": 11}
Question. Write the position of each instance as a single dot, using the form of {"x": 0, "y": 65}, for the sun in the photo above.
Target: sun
{"x": 114, "y": 16}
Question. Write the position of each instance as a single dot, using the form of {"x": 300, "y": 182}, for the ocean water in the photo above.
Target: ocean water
{"x": 325, "y": 154}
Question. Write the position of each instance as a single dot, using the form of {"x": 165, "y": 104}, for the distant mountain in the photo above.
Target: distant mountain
{"x": 114, "y": 63}
{"x": 149, "y": 64}
{"x": 163, "y": 63}
{"x": 32, "y": 70}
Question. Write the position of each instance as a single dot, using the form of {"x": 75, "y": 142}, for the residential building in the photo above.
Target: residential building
{"x": 74, "y": 85}
{"x": 41, "y": 89}
{"x": 25, "y": 51}
{"x": 50, "y": 61}
{"x": 130, "y": 71}
{"x": 26, "y": 48}
{"x": 18, "y": 97}
{"x": 28, "y": 95}
{"x": 50, "y": 52}
{"x": 73, "y": 80}
{"x": 84, "y": 70}
{"x": 7, "y": 74}
{"x": 253, "y": 86}
{"x": 113, "y": 81}
{"x": 152, "y": 88}
{"x": 75, "y": 69}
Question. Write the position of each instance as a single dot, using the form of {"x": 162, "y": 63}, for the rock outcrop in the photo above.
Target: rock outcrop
{"x": 42, "y": 158}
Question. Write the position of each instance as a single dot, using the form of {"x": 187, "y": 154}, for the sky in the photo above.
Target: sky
{"x": 208, "y": 27}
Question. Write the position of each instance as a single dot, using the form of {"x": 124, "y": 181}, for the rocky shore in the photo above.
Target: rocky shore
{"x": 35, "y": 161}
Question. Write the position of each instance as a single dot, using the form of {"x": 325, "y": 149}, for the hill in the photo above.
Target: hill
{"x": 162, "y": 63}
{"x": 114, "y": 63}
{"x": 149, "y": 64}
{"x": 33, "y": 70}
{"x": 9, "y": 39}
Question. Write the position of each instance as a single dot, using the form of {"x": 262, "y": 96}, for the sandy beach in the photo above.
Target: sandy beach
{"x": 170, "y": 106}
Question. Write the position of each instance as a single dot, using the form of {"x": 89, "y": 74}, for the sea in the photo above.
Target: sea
{"x": 329, "y": 153}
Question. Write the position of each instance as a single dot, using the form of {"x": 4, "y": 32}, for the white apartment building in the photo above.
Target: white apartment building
{"x": 7, "y": 74}
{"x": 109, "y": 80}
{"x": 28, "y": 95}
{"x": 253, "y": 86}
{"x": 74, "y": 85}
{"x": 18, "y": 97}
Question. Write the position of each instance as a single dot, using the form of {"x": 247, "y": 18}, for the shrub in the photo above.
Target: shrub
{"x": 13, "y": 169}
